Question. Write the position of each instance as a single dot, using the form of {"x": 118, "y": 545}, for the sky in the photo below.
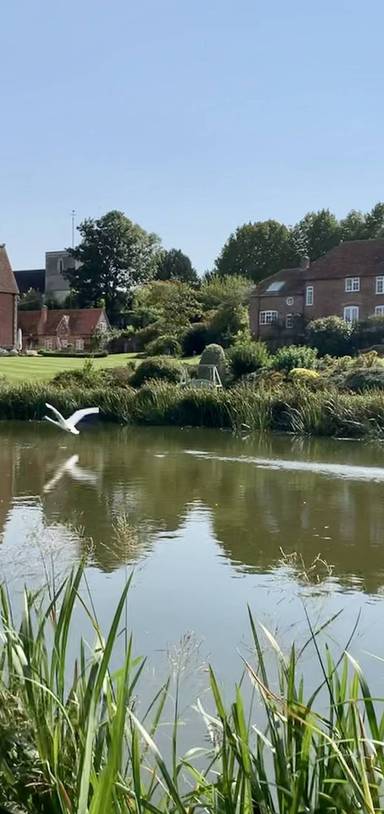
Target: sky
{"x": 191, "y": 117}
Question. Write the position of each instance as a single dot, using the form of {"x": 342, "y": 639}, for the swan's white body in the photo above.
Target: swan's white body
{"x": 69, "y": 424}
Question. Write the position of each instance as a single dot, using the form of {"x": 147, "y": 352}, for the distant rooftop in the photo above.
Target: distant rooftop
{"x": 30, "y": 278}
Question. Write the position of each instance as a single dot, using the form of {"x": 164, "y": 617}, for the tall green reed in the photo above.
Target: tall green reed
{"x": 71, "y": 739}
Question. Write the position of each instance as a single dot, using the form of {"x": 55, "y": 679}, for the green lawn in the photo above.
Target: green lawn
{"x": 43, "y": 368}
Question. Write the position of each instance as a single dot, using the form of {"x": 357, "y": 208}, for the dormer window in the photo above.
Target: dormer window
{"x": 352, "y": 284}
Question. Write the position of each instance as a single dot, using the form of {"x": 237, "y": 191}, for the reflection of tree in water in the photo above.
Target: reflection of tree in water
{"x": 147, "y": 477}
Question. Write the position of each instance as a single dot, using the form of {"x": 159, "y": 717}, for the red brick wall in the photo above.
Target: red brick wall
{"x": 330, "y": 297}
{"x": 7, "y": 305}
{"x": 279, "y": 304}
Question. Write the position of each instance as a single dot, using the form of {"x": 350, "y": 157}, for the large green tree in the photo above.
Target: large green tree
{"x": 114, "y": 255}
{"x": 257, "y": 250}
{"x": 174, "y": 265}
{"x": 316, "y": 234}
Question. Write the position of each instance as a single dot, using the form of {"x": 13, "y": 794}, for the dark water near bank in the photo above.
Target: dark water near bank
{"x": 204, "y": 518}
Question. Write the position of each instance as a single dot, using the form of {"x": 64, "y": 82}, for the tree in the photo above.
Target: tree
{"x": 374, "y": 222}
{"x": 32, "y": 300}
{"x": 113, "y": 256}
{"x": 316, "y": 234}
{"x": 173, "y": 304}
{"x": 257, "y": 250}
{"x": 353, "y": 226}
{"x": 217, "y": 291}
{"x": 174, "y": 265}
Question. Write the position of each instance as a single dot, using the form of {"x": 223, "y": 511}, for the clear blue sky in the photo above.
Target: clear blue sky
{"x": 191, "y": 117}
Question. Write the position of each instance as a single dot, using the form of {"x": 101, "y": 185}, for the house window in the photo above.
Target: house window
{"x": 351, "y": 313}
{"x": 352, "y": 284}
{"x": 380, "y": 285}
{"x": 266, "y": 317}
{"x": 379, "y": 311}
{"x": 289, "y": 321}
{"x": 289, "y": 300}
{"x": 309, "y": 295}
{"x": 60, "y": 265}
{"x": 48, "y": 344}
{"x": 79, "y": 344}
{"x": 64, "y": 343}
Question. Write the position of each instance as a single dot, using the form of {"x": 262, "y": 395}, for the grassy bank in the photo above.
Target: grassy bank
{"x": 288, "y": 408}
{"x": 73, "y": 739}
{"x": 44, "y": 368}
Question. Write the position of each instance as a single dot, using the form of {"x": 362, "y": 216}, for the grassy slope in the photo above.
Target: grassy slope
{"x": 43, "y": 368}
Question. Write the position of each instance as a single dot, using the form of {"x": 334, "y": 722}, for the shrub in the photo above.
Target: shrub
{"x": 119, "y": 376}
{"x": 368, "y": 332}
{"x": 88, "y": 376}
{"x": 247, "y": 357}
{"x": 214, "y": 355}
{"x": 195, "y": 339}
{"x": 227, "y": 322}
{"x": 330, "y": 335}
{"x": 158, "y": 367}
{"x": 164, "y": 345}
{"x": 292, "y": 356}
{"x": 146, "y": 335}
{"x": 71, "y": 354}
{"x": 365, "y": 378}
{"x": 302, "y": 375}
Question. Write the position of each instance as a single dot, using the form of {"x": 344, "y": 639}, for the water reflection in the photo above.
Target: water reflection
{"x": 127, "y": 487}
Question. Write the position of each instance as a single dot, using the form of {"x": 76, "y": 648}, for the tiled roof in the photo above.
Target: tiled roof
{"x": 292, "y": 283}
{"x": 354, "y": 258}
{"x": 81, "y": 321}
{"x": 8, "y": 283}
{"x": 30, "y": 278}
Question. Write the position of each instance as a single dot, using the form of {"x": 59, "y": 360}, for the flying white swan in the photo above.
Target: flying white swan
{"x": 69, "y": 424}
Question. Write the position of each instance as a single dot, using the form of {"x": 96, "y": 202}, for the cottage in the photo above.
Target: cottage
{"x": 8, "y": 302}
{"x": 61, "y": 329}
{"x": 347, "y": 282}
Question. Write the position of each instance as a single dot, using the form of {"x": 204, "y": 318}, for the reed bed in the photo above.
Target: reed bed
{"x": 71, "y": 739}
{"x": 284, "y": 408}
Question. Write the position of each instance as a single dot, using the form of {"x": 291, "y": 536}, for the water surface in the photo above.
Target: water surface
{"x": 209, "y": 523}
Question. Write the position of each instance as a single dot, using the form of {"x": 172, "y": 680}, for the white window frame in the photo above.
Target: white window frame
{"x": 290, "y": 300}
{"x": 380, "y": 284}
{"x": 309, "y": 295}
{"x": 352, "y": 285}
{"x": 379, "y": 311}
{"x": 289, "y": 321}
{"x": 268, "y": 317}
{"x": 79, "y": 344}
{"x": 351, "y": 313}
{"x": 48, "y": 343}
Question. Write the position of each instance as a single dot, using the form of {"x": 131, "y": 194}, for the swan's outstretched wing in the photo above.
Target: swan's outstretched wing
{"x": 79, "y": 414}
{"x": 55, "y": 412}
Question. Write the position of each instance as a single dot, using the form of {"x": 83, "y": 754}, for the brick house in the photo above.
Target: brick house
{"x": 61, "y": 329}
{"x": 347, "y": 282}
{"x": 8, "y": 302}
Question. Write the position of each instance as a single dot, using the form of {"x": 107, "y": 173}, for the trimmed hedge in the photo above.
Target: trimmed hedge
{"x": 158, "y": 367}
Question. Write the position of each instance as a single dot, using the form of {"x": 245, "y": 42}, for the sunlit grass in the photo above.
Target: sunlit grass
{"x": 44, "y": 368}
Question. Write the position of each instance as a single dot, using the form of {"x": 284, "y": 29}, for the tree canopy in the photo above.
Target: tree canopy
{"x": 114, "y": 255}
{"x": 259, "y": 249}
{"x": 175, "y": 265}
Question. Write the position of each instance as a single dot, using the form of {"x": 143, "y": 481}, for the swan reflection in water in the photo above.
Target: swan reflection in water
{"x": 70, "y": 467}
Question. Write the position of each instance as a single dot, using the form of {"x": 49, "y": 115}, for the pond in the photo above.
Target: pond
{"x": 210, "y": 523}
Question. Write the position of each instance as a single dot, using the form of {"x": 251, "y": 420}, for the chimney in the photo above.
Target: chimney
{"x": 304, "y": 262}
{"x": 42, "y": 320}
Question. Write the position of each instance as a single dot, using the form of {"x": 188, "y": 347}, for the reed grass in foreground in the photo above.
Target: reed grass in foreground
{"x": 78, "y": 746}
{"x": 286, "y": 408}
